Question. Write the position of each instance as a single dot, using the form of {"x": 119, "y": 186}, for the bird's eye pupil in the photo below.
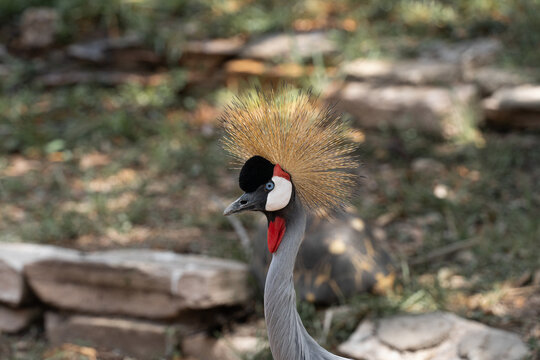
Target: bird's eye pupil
{"x": 269, "y": 185}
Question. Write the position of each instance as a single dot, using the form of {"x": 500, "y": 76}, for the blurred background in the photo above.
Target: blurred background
{"x": 109, "y": 139}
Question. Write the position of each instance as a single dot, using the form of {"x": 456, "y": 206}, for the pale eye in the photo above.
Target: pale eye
{"x": 269, "y": 186}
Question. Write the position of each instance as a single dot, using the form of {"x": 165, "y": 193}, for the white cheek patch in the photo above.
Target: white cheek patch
{"x": 281, "y": 195}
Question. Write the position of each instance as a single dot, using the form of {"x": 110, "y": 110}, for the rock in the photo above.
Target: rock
{"x": 96, "y": 51}
{"x": 206, "y": 57}
{"x": 125, "y": 53}
{"x": 38, "y": 27}
{"x": 522, "y": 119}
{"x": 494, "y": 344}
{"x": 444, "y": 112}
{"x": 204, "y": 347}
{"x": 13, "y": 258}
{"x": 141, "y": 283}
{"x": 435, "y": 336}
{"x": 244, "y": 341}
{"x": 480, "y": 52}
{"x": 16, "y": 320}
{"x": 517, "y": 107}
{"x": 523, "y": 98}
{"x": 257, "y": 68}
{"x": 491, "y": 79}
{"x": 467, "y": 53}
{"x": 246, "y": 67}
{"x": 422, "y": 72}
{"x": 240, "y": 71}
{"x": 339, "y": 258}
{"x": 289, "y": 46}
{"x": 137, "y": 338}
{"x": 408, "y": 333}
{"x": 214, "y": 47}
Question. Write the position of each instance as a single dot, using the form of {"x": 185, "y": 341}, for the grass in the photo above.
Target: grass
{"x": 89, "y": 159}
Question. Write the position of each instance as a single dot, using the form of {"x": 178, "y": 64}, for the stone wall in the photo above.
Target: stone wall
{"x": 139, "y": 302}
{"x": 447, "y": 90}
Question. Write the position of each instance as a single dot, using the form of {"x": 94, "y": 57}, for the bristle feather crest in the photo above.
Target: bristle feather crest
{"x": 309, "y": 141}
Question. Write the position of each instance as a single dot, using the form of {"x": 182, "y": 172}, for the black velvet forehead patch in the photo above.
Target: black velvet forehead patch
{"x": 255, "y": 172}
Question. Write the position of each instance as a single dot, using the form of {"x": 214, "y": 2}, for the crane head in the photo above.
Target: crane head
{"x": 291, "y": 129}
{"x": 267, "y": 187}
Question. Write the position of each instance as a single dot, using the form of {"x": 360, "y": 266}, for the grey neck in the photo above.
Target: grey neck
{"x": 287, "y": 335}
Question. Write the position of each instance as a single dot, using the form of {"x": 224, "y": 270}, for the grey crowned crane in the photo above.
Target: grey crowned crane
{"x": 295, "y": 158}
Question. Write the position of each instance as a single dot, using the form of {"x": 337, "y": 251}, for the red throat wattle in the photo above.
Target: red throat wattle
{"x": 276, "y": 230}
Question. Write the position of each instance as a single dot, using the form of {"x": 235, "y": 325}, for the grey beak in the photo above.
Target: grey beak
{"x": 237, "y": 206}
{"x": 248, "y": 201}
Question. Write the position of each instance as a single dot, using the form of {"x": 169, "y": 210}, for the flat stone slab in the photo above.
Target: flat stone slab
{"x": 467, "y": 53}
{"x": 140, "y": 283}
{"x": 490, "y": 79}
{"x": 525, "y": 97}
{"x": 15, "y": 320}
{"x": 96, "y": 51}
{"x": 514, "y": 107}
{"x": 440, "y": 111}
{"x": 289, "y": 46}
{"x": 243, "y": 342}
{"x": 435, "y": 336}
{"x": 137, "y": 338}
{"x": 419, "y": 72}
{"x": 214, "y": 47}
{"x": 13, "y": 258}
